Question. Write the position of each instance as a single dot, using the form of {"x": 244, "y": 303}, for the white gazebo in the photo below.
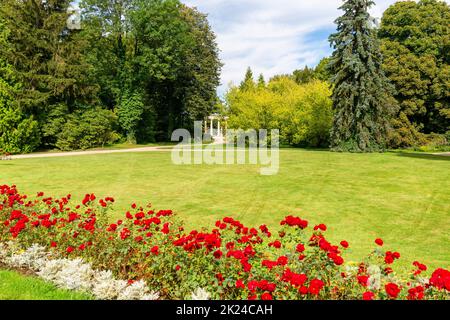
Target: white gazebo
{"x": 216, "y": 126}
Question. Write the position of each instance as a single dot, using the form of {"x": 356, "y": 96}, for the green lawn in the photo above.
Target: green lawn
{"x": 14, "y": 286}
{"x": 402, "y": 198}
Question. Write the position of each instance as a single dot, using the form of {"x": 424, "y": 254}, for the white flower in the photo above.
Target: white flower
{"x": 106, "y": 287}
{"x": 75, "y": 275}
{"x": 373, "y": 269}
{"x": 374, "y": 282}
{"x": 136, "y": 291}
{"x": 151, "y": 296}
{"x": 33, "y": 258}
{"x": 50, "y": 270}
{"x": 200, "y": 294}
{"x": 423, "y": 281}
{"x": 351, "y": 269}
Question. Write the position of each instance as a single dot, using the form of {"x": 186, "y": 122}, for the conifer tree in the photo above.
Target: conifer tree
{"x": 261, "y": 81}
{"x": 362, "y": 95}
{"x": 249, "y": 81}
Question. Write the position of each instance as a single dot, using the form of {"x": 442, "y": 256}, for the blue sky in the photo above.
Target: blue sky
{"x": 272, "y": 36}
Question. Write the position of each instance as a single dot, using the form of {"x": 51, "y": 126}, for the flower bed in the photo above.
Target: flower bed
{"x": 230, "y": 261}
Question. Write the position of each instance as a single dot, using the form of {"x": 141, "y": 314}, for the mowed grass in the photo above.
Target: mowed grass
{"x": 15, "y": 286}
{"x": 401, "y": 198}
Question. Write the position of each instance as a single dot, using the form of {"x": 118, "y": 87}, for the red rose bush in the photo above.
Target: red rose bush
{"x": 148, "y": 255}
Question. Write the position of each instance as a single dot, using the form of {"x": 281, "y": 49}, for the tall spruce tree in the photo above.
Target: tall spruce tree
{"x": 48, "y": 59}
{"x": 362, "y": 96}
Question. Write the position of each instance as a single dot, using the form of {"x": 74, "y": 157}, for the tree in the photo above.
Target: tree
{"x": 362, "y": 95}
{"x": 304, "y": 75}
{"x": 261, "y": 81}
{"x": 249, "y": 82}
{"x": 415, "y": 44}
{"x": 201, "y": 74}
{"x": 307, "y": 75}
{"x": 322, "y": 72}
{"x": 107, "y": 29}
{"x": 130, "y": 113}
{"x": 161, "y": 48}
{"x": 18, "y": 133}
{"x": 302, "y": 113}
{"x": 46, "y": 57}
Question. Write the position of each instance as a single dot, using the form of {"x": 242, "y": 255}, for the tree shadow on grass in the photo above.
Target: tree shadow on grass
{"x": 425, "y": 156}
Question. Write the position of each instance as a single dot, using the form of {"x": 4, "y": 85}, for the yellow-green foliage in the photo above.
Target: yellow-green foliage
{"x": 302, "y": 113}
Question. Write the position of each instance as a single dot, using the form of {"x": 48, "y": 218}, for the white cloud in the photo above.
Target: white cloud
{"x": 272, "y": 36}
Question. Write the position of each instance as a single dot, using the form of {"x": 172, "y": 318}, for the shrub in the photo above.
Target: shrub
{"x": 230, "y": 261}
{"x": 84, "y": 130}
{"x": 435, "y": 143}
{"x": 18, "y": 134}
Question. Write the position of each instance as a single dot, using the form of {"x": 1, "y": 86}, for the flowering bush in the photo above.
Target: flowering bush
{"x": 231, "y": 261}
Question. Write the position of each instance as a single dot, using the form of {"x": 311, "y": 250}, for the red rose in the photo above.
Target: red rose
{"x": 165, "y": 228}
{"x": 379, "y": 242}
{"x": 321, "y": 227}
{"x": 240, "y": 284}
{"x": 392, "y": 290}
{"x": 155, "y": 250}
{"x": 440, "y": 279}
{"x": 416, "y": 293}
{"x": 69, "y": 250}
{"x": 303, "y": 290}
{"x": 362, "y": 280}
{"x": 218, "y": 254}
{"x": 368, "y": 295}
{"x": 275, "y": 244}
{"x": 266, "y": 296}
{"x": 315, "y": 286}
{"x": 300, "y": 248}
{"x": 282, "y": 261}
{"x": 344, "y": 244}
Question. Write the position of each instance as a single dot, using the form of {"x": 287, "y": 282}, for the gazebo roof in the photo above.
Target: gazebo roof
{"x": 217, "y": 116}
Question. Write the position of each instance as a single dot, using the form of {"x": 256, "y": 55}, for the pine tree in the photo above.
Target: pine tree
{"x": 261, "y": 81}
{"x": 362, "y": 95}
{"x": 47, "y": 58}
{"x": 249, "y": 82}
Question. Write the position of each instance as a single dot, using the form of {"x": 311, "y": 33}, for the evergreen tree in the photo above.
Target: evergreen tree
{"x": 362, "y": 95}
{"x": 304, "y": 75}
{"x": 261, "y": 81}
{"x": 47, "y": 58}
{"x": 249, "y": 82}
{"x": 19, "y": 132}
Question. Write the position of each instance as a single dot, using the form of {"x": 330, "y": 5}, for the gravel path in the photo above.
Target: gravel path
{"x": 83, "y": 153}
